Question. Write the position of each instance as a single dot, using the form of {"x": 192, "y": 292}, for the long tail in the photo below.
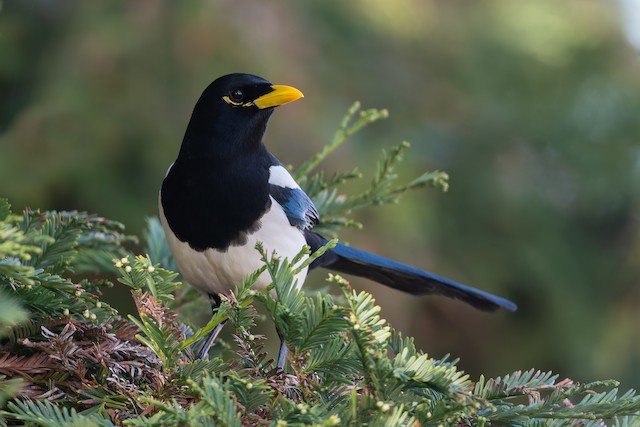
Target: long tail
{"x": 346, "y": 259}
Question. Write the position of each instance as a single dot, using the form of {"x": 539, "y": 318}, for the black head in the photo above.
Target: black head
{"x": 232, "y": 114}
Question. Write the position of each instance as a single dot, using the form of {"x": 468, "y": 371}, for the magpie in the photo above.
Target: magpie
{"x": 226, "y": 192}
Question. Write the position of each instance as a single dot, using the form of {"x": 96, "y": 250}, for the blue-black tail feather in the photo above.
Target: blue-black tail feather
{"x": 348, "y": 260}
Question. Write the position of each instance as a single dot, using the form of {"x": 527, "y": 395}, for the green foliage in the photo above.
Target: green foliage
{"x": 11, "y": 314}
{"x": 334, "y": 207}
{"x": 45, "y": 413}
{"x": 66, "y": 358}
{"x": 38, "y": 249}
{"x": 143, "y": 275}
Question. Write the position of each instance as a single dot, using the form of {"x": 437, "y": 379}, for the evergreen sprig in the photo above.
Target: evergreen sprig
{"x": 335, "y": 208}
{"x": 38, "y": 249}
{"x": 67, "y": 358}
{"x": 45, "y": 413}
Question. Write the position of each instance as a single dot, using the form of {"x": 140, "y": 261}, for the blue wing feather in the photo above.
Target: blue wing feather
{"x": 347, "y": 259}
{"x": 296, "y": 205}
{"x": 447, "y": 285}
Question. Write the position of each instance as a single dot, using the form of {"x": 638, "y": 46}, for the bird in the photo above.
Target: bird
{"x": 226, "y": 192}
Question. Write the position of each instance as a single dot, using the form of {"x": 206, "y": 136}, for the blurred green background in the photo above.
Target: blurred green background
{"x": 532, "y": 107}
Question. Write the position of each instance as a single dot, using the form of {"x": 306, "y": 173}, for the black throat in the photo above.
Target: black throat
{"x": 217, "y": 190}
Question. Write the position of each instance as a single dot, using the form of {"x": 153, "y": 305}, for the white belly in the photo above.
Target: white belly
{"x": 212, "y": 271}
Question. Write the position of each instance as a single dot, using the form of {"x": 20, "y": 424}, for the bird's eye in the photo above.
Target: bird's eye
{"x": 236, "y": 95}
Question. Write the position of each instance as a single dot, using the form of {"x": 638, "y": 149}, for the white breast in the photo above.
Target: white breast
{"x": 213, "y": 271}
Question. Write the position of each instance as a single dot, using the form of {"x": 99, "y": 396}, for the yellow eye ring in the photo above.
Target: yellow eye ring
{"x": 230, "y": 101}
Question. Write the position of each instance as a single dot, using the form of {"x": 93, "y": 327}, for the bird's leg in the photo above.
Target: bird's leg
{"x": 203, "y": 354}
{"x": 282, "y": 355}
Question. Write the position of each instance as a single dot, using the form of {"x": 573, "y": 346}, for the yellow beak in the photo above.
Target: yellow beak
{"x": 280, "y": 95}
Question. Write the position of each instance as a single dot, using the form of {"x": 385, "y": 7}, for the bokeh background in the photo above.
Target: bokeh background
{"x": 532, "y": 107}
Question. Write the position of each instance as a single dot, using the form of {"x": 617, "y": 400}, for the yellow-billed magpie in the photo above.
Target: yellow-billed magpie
{"x": 225, "y": 192}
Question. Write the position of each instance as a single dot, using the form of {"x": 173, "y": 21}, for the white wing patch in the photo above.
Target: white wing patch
{"x": 280, "y": 176}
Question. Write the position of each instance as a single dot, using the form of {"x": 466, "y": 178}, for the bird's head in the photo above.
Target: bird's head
{"x": 232, "y": 114}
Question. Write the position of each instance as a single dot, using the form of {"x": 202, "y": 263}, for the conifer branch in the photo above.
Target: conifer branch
{"x": 67, "y": 358}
